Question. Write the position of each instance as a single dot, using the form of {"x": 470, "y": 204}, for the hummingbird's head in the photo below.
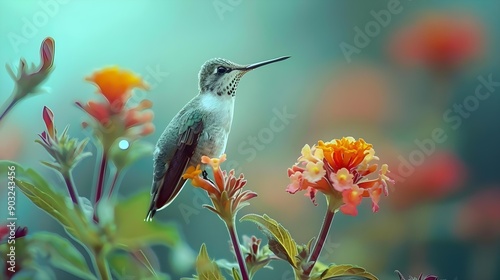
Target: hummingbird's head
{"x": 221, "y": 77}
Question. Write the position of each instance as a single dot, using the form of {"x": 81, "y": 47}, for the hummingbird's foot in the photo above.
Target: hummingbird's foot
{"x": 204, "y": 174}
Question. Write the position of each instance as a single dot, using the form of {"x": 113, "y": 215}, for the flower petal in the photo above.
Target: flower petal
{"x": 48, "y": 118}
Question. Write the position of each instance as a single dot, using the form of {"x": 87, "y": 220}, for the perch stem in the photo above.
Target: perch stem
{"x": 73, "y": 193}
{"x": 237, "y": 250}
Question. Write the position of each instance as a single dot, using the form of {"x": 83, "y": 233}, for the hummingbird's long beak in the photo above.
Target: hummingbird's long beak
{"x": 259, "y": 64}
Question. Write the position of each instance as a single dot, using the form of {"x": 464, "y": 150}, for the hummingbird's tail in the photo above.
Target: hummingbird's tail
{"x": 165, "y": 192}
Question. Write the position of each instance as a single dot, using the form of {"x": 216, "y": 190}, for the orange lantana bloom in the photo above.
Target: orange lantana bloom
{"x": 340, "y": 170}
{"x": 112, "y": 118}
{"x": 115, "y": 84}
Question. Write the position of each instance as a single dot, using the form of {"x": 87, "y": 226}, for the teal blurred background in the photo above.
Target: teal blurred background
{"x": 440, "y": 218}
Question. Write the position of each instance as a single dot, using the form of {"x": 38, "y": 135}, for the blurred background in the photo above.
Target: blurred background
{"x": 418, "y": 80}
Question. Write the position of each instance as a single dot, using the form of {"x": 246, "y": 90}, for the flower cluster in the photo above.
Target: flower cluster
{"x": 340, "y": 170}
{"x": 113, "y": 119}
{"x": 226, "y": 192}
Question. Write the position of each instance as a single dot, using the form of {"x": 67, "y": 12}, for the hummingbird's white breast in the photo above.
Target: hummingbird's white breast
{"x": 219, "y": 110}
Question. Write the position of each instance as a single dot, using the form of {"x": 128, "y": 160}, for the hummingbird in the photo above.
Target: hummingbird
{"x": 200, "y": 128}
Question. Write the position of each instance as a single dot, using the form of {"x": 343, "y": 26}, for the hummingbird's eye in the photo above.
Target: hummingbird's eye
{"x": 221, "y": 70}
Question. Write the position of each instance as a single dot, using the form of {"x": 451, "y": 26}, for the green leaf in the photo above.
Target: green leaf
{"x": 141, "y": 257}
{"x": 206, "y": 268}
{"x": 280, "y": 240}
{"x": 124, "y": 266}
{"x": 34, "y": 272}
{"x": 344, "y": 272}
{"x": 61, "y": 254}
{"x": 236, "y": 275}
{"x": 133, "y": 233}
{"x": 34, "y": 186}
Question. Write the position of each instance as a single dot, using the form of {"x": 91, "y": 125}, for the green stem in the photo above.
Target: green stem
{"x": 73, "y": 193}
{"x": 116, "y": 179}
{"x": 323, "y": 234}
{"x": 231, "y": 228}
{"x": 100, "y": 183}
{"x": 101, "y": 265}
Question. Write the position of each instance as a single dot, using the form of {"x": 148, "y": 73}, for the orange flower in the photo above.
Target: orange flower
{"x": 440, "y": 41}
{"x": 339, "y": 171}
{"x": 113, "y": 119}
{"x": 115, "y": 84}
{"x": 227, "y": 193}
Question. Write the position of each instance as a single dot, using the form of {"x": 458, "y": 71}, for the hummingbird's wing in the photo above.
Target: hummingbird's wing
{"x": 168, "y": 181}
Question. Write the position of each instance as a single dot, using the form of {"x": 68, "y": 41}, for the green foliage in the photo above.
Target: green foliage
{"x": 125, "y": 228}
{"x": 60, "y": 253}
{"x": 280, "y": 240}
{"x": 133, "y": 233}
{"x": 125, "y": 266}
{"x": 344, "y": 272}
{"x": 236, "y": 275}
{"x": 206, "y": 268}
{"x": 58, "y": 206}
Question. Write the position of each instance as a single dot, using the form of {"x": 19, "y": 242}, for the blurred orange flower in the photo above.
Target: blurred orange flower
{"x": 113, "y": 118}
{"x": 441, "y": 41}
{"x": 442, "y": 174}
{"x": 115, "y": 84}
{"x": 479, "y": 218}
{"x": 339, "y": 169}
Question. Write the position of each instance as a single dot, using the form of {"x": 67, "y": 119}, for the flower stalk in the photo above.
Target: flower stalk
{"x": 101, "y": 264}
{"x": 100, "y": 178}
{"x": 116, "y": 178}
{"x": 227, "y": 196}
{"x": 231, "y": 228}
{"x": 320, "y": 241}
{"x": 73, "y": 193}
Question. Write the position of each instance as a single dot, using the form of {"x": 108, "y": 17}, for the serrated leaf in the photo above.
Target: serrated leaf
{"x": 34, "y": 186}
{"x": 61, "y": 253}
{"x": 206, "y": 268}
{"x": 344, "y": 272}
{"x": 280, "y": 240}
{"x": 133, "y": 233}
{"x": 236, "y": 275}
